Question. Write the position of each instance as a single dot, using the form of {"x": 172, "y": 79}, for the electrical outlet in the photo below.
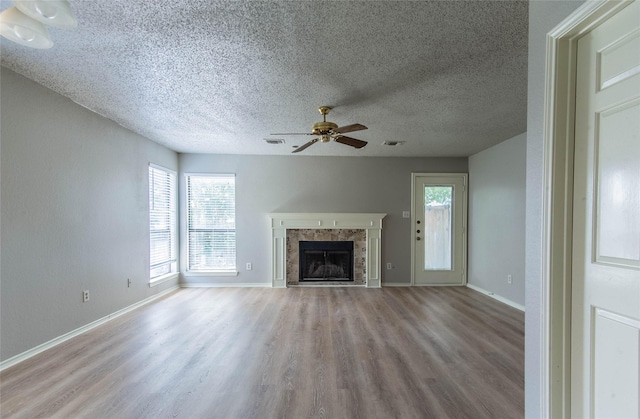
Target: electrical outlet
{"x": 389, "y": 266}
{"x": 406, "y": 214}
{"x": 85, "y": 296}
{"x": 249, "y": 267}
{"x": 509, "y": 279}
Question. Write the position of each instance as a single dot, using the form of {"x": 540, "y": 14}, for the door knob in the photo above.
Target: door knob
{"x": 418, "y": 238}
{"x": 418, "y": 231}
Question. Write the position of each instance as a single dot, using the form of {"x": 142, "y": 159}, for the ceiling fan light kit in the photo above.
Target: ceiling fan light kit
{"x": 55, "y": 13}
{"x": 327, "y": 131}
{"x": 21, "y": 29}
{"x": 24, "y": 23}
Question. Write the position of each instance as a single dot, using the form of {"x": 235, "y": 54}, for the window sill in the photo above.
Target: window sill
{"x": 164, "y": 278}
{"x": 211, "y": 273}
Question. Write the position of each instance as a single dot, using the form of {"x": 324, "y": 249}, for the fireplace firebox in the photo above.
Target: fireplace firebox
{"x": 326, "y": 261}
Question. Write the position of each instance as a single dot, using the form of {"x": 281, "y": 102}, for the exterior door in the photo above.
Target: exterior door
{"x": 605, "y": 320}
{"x": 439, "y": 229}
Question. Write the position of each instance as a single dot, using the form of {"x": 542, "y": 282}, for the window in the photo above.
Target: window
{"x": 437, "y": 228}
{"x": 211, "y": 223}
{"x": 162, "y": 222}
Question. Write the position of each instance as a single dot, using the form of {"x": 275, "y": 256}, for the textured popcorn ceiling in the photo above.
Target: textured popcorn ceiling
{"x": 448, "y": 78}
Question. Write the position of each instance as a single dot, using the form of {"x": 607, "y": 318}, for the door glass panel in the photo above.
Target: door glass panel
{"x": 438, "y": 201}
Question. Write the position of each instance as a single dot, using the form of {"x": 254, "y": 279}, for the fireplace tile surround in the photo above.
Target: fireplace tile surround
{"x": 357, "y": 236}
{"x": 365, "y": 229}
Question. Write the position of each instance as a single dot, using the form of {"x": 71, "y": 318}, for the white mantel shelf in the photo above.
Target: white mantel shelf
{"x": 371, "y": 223}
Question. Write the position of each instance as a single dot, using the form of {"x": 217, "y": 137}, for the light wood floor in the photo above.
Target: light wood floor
{"x": 297, "y": 353}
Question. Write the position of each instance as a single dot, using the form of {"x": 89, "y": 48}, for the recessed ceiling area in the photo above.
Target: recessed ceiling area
{"x": 443, "y": 78}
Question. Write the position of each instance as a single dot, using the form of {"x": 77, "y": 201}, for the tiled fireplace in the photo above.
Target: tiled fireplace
{"x": 328, "y": 237}
{"x": 332, "y": 229}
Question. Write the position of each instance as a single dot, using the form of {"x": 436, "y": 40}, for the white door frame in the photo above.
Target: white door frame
{"x": 464, "y": 177}
{"x": 558, "y": 148}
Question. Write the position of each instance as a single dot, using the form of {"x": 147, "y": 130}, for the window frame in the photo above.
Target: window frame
{"x": 174, "y": 228}
{"x": 209, "y": 271}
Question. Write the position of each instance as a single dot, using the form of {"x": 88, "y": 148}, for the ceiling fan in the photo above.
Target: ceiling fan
{"x": 327, "y": 131}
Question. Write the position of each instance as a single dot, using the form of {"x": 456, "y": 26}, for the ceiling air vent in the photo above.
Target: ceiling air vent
{"x": 393, "y": 143}
{"x": 274, "y": 141}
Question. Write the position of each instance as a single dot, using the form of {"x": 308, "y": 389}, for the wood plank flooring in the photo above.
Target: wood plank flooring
{"x": 437, "y": 352}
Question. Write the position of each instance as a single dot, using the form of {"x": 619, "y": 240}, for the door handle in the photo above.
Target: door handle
{"x": 418, "y": 238}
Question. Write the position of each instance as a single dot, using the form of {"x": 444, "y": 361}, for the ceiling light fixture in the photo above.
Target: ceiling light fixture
{"x": 50, "y": 12}
{"x": 23, "y": 23}
{"x": 20, "y": 28}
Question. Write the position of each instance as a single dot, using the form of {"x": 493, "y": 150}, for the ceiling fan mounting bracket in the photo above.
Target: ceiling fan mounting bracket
{"x": 323, "y": 128}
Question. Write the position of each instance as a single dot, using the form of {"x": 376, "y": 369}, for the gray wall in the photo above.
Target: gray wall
{"x": 74, "y": 215}
{"x": 496, "y": 218}
{"x": 543, "y": 16}
{"x": 266, "y": 184}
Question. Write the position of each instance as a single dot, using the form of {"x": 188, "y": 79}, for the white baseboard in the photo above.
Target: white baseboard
{"x": 57, "y": 341}
{"x": 496, "y": 297}
{"x": 396, "y": 284}
{"x": 326, "y": 286}
{"x": 225, "y": 284}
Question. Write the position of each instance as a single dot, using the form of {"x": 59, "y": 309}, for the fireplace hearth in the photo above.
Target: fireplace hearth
{"x": 326, "y": 261}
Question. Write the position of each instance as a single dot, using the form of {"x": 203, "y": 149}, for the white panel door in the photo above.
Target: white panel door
{"x": 605, "y": 354}
{"x": 439, "y": 224}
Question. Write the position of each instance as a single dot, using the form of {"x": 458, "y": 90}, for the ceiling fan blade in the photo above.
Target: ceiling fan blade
{"x": 294, "y": 133}
{"x": 353, "y": 142}
{"x": 302, "y": 147}
{"x": 349, "y": 128}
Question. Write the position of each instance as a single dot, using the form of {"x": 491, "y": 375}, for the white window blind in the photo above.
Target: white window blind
{"x": 162, "y": 222}
{"x": 211, "y": 222}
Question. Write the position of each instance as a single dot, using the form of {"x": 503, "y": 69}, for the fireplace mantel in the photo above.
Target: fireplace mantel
{"x": 371, "y": 223}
